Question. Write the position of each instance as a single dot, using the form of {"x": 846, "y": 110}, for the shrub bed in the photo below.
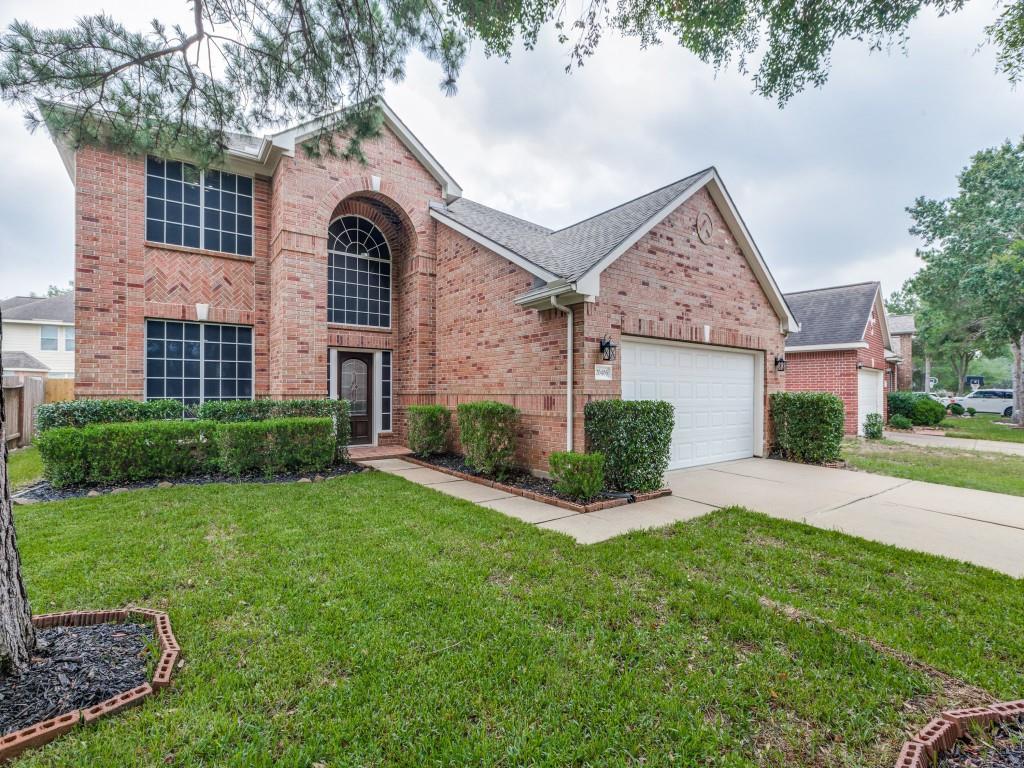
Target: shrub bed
{"x": 901, "y": 404}
{"x": 487, "y": 430}
{"x": 808, "y": 426}
{"x": 900, "y": 421}
{"x": 579, "y": 476}
{"x": 271, "y": 446}
{"x": 635, "y": 437}
{"x": 82, "y": 413}
{"x": 428, "y": 427}
{"x": 927, "y": 412}
{"x": 261, "y": 410}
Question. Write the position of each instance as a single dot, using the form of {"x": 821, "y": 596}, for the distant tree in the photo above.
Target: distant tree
{"x": 242, "y": 64}
{"x": 903, "y": 301}
{"x": 53, "y": 290}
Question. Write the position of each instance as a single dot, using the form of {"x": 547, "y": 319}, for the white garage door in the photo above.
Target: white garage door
{"x": 869, "y": 395}
{"x": 711, "y": 390}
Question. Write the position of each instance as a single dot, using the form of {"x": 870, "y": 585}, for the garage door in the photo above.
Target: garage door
{"x": 869, "y": 395}
{"x": 711, "y": 390}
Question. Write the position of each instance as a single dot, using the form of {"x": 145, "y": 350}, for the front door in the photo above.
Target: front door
{"x": 356, "y": 386}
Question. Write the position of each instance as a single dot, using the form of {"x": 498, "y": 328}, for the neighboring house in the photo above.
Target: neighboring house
{"x": 285, "y": 275}
{"x": 21, "y": 365}
{"x": 843, "y": 347}
{"x": 43, "y": 329}
{"x": 902, "y": 330}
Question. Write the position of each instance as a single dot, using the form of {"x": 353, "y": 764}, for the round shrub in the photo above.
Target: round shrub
{"x": 956, "y": 409}
{"x": 873, "y": 426}
{"x": 579, "y": 476}
{"x": 927, "y": 412}
{"x": 902, "y": 403}
{"x": 971, "y": 411}
{"x": 899, "y": 421}
{"x": 635, "y": 437}
{"x": 428, "y": 429}
{"x": 807, "y": 426}
{"x": 487, "y": 430}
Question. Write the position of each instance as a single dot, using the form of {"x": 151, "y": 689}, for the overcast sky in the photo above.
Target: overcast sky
{"x": 822, "y": 183}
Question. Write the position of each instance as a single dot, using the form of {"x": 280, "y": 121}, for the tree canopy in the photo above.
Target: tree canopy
{"x": 245, "y": 64}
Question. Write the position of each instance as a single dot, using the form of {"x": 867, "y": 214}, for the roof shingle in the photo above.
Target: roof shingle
{"x": 837, "y": 315}
{"x": 22, "y": 361}
{"x": 56, "y": 309}
{"x": 900, "y": 324}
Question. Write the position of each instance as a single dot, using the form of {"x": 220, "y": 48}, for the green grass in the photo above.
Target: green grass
{"x": 984, "y": 471}
{"x": 982, "y": 426}
{"x": 367, "y": 621}
{"x": 24, "y": 466}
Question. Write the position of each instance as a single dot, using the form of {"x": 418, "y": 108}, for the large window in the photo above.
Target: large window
{"x": 48, "y": 338}
{"x": 359, "y": 273}
{"x": 198, "y": 209}
{"x": 194, "y": 362}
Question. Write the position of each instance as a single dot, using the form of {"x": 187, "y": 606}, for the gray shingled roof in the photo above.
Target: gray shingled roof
{"x": 21, "y": 361}
{"x": 572, "y": 251}
{"x": 899, "y": 324}
{"x": 58, "y": 309}
{"x": 836, "y": 315}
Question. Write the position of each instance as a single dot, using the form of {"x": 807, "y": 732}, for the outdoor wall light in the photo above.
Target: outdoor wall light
{"x": 780, "y": 364}
{"x": 608, "y": 348}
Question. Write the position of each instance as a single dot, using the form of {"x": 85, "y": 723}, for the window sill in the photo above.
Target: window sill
{"x": 346, "y": 326}
{"x": 197, "y": 251}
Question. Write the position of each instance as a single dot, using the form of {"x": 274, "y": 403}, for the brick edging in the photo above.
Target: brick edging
{"x": 555, "y": 502}
{"x": 942, "y": 732}
{"x": 12, "y": 744}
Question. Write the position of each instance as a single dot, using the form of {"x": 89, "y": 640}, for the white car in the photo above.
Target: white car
{"x": 989, "y": 401}
{"x": 935, "y": 397}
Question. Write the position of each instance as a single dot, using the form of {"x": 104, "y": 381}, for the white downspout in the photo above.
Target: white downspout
{"x": 568, "y": 374}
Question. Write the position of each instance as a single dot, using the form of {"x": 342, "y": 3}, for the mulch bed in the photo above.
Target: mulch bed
{"x": 1001, "y": 745}
{"x": 43, "y": 491}
{"x": 75, "y": 668}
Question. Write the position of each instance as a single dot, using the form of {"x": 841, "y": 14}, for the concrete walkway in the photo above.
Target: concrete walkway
{"x": 959, "y": 443}
{"x": 977, "y": 526}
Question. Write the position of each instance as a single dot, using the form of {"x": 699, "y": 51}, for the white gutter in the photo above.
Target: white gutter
{"x": 568, "y": 374}
{"x": 827, "y": 347}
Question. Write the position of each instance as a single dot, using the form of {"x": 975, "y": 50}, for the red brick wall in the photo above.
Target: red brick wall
{"x": 903, "y": 346}
{"x": 834, "y": 372}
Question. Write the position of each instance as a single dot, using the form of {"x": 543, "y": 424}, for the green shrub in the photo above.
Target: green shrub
{"x": 874, "y": 426}
{"x": 956, "y": 409}
{"x": 927, "y": 412}
{"x": 899, "y": 421}
{"x": 971, "y": 410}
{"x": 635, "y": 437}
{"x": 259, "y": 410}
{"x": 64, "y": 451}
{"x": 902, "y": 403}
{"x": 428, "y": 429}
{"x": 579, "y": 476}
{"x": 82, "y": 413}
{"x": 487, "y": 430}
{"x": 272, "y": 446}
{"x": 808, "y": 426}
{"x": 112, "y": 454}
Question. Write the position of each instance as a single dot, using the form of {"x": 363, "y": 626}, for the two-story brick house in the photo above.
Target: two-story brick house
{"x": 284, "y": 275}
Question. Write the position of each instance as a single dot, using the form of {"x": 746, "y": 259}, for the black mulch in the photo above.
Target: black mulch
{"x": 517, "y": 479}
{"x": 75, "y": 668}
{"x": 43, "y": 491}
{"x": 1001, "y": 746}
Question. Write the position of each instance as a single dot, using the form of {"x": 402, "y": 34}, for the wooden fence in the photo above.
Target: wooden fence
{"x": 21, "y": 396}
{"x": 59, "y": 389}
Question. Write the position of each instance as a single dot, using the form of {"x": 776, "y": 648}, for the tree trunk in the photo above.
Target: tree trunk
{"x": 17, "y": 638}
{"x": 927, "y": 374}
{"x": 1018, "y": 380}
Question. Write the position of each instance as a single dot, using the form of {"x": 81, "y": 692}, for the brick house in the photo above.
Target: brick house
{"x": 902, "y": 330}
{"x": 283, "y": 275}
{"x": 844, "y": 347}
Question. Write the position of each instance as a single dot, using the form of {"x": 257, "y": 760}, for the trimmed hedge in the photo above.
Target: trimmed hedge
{"x": 927, "y": 412}
{"x": 261, "y": 410}
{"x": 111, "y": 454}
{"x": 303, "y": 444}
{"x": 902, "y": 404}
{"x": 874, "y": 426}
{"x": 808, "y": 426}
{"x": 578, "y": 475}
{"x": 487, "y": 430}
{"x": 428, "y": 429}
{"x": 82, "y": 413}
{"x": 635, "y": 437}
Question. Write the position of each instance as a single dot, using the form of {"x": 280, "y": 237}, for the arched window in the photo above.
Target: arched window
{"x": 359, "y": 273}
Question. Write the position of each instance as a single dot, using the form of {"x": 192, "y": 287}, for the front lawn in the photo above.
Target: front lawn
{"x": 997, "y": 472}
{"x": 367, "y": 621}
{"x": 982, "y": 426}
{"x": 25, "y": 466}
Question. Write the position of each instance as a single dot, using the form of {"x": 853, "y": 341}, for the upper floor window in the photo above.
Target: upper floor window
{"x": 48, "y": 338}
{"x": 69, "y": 339}
{"x": 198, "y": 209}
{"x": 359, "y": 273}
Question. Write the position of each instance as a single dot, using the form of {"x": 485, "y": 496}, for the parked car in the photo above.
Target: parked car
{"x": 938, "y": 398}
{"x": 989, "y": 401}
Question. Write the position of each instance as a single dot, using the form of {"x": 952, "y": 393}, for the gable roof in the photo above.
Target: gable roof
{"x": 901, "y": 324}
{"x": 571, "y": 259}
{"x": 22, "y": 361}
{"x": 55, "y": 309}
{"x": 834, "y": 317}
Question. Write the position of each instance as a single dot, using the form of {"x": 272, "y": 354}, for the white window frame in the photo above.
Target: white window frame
{"x": 69, "y": 335}
{"x": 55, "y": 339}
{"x": 390, "y": 261}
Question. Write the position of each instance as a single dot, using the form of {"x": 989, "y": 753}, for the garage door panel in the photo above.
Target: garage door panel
{"x": 711, "y": 392}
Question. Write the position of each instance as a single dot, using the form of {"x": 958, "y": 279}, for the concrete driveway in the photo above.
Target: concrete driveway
{"x": 976, "y": 526}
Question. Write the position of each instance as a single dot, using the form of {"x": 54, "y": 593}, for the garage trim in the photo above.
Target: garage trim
{"x": 758, "y": 355}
